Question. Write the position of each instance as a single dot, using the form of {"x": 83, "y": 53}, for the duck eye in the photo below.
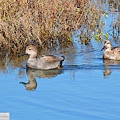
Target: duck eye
{"x": 29, "y": 49}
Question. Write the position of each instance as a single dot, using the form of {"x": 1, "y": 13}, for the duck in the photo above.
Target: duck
{"x": 111, "y": 53}
{"x": 43, "y": 62}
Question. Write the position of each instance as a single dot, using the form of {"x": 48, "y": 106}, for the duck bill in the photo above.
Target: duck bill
{"x": 103, "y": 48}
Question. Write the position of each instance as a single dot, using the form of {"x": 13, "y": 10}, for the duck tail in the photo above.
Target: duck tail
{"x": 63, "y": 58}
{"x": 61, "y": 61}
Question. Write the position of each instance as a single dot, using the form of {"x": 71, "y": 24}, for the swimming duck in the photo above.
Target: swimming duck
{"x": 43, "y": 62}
{"x": 112, "y": 53}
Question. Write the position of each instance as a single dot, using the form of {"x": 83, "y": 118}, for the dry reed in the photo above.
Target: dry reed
{"x": 43, "y": 22}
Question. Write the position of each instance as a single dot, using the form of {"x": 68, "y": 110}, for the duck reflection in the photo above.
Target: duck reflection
{"x": 32, "y": 74}
{"x": 108, "y": 64}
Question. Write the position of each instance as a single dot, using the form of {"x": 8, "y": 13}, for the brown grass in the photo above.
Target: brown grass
{"x": 46, "y": 23}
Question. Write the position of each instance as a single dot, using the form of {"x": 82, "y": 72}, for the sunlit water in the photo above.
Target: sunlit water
{"x": 86, "y": 88}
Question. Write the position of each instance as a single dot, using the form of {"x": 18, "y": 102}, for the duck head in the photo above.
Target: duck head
{"x": 32, "y": 51}
{"x": 107, "y": 45}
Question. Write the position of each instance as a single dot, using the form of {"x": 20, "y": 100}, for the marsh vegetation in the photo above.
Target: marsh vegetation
{"x": 46, "y": 23}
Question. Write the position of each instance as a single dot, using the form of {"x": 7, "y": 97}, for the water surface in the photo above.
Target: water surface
{"x": 87, "y": 88}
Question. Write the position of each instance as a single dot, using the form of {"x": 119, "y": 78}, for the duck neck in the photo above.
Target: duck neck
{"x": 108, "y": 49}
{"x": 33, "y": 56}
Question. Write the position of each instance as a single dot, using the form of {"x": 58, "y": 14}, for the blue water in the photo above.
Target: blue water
{"x": 79, "y": 91}
{"x": 86, "y": 88}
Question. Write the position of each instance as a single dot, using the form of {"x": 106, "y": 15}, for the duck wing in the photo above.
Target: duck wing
{"x": 52, "y": 58}
{"x": 116, "y": 48}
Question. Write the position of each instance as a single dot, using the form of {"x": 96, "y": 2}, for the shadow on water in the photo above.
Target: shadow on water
{"x": 32, "y": 74}
{"x": 110, "y": 65}
{"x": 107, "y": 67}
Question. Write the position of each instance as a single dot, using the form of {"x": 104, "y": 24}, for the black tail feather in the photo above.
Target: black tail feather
{"x": 63, "y": 58}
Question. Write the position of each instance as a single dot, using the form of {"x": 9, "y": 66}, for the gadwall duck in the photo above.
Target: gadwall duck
{"x": 44, "y": 62}
{"x": 112, "y": 53}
